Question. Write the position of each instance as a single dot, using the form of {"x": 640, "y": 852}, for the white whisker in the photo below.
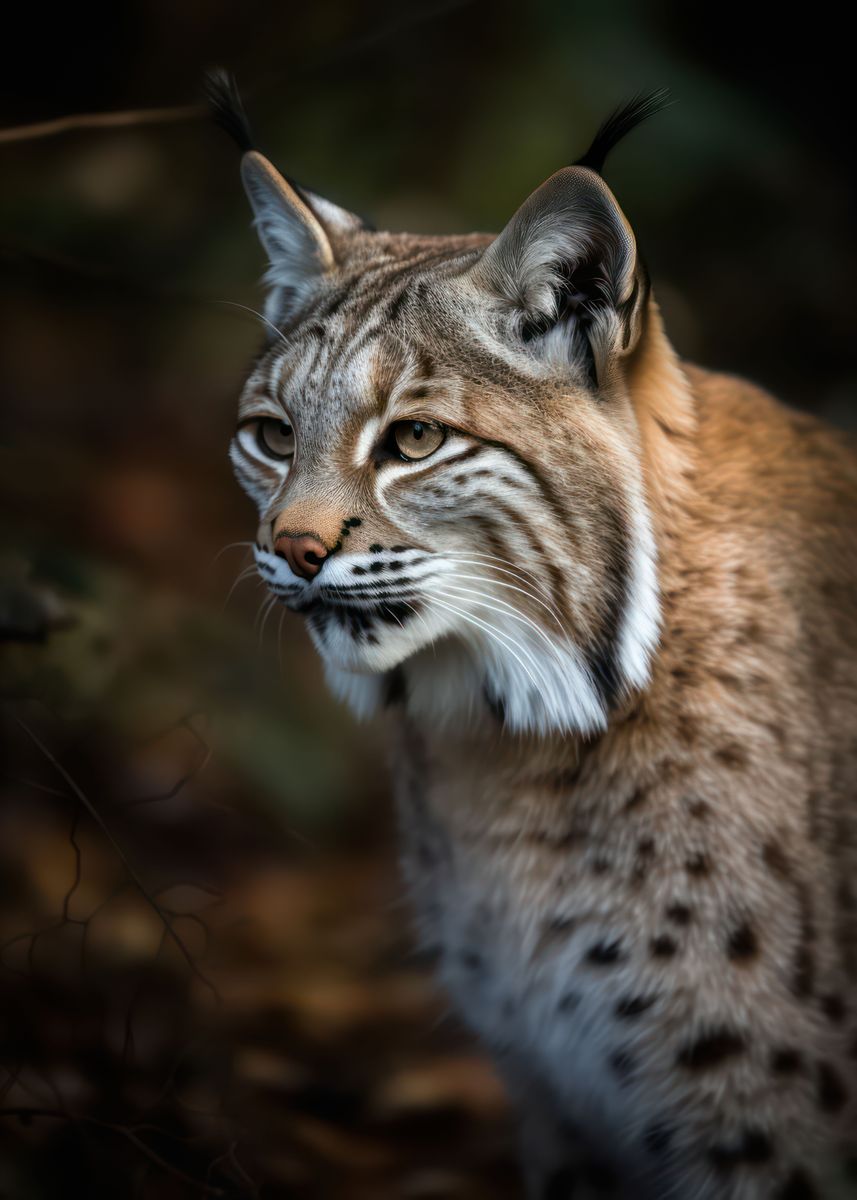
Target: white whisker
{"x": 492, "y": 631}
{"x": 512, "y": 587}
{"x": 506, "y": 610}
{"x": 261, "y": 317}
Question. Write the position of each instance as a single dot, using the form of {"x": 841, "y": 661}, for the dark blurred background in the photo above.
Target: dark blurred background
{"x": 206, "y": 980}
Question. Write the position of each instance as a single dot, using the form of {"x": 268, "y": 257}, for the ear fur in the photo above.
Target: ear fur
{"x": 300, "y": 231}
{"x": 567, "y": 266}
{"x": 298, "y": 247}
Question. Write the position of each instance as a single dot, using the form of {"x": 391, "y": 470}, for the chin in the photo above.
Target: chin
{"x": 366, "y": 643}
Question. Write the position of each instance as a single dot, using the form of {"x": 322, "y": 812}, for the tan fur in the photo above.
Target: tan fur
{"x": 712, "y": 828}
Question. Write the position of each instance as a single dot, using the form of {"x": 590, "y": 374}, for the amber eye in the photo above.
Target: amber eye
{"x": 276, "y": 439}
{"x": 417, "y": 439}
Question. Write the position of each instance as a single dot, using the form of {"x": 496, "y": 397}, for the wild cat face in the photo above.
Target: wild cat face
{"x": 444, "y": 457}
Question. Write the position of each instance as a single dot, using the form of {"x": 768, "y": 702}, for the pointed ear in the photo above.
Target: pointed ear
{"x": 567, "y": 267}
{"x": 299, "y": 231}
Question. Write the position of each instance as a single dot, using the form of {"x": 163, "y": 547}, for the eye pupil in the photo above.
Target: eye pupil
{"x": 285, "y": 429}
{"x": 417, "y": 430}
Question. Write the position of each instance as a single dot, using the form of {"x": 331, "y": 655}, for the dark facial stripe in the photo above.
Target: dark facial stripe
{"x": 548, "y": 492}
{"x": 557, "y": 579}
{"x": 602, "y": 656}
{"x": 429, "y": 471}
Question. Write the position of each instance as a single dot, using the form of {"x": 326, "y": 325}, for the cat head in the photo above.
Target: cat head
{"x": 443, "y": 452}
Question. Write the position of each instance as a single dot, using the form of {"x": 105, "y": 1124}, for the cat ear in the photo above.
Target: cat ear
{"x": 299, "y": 249}
{"x": 300, "y": 232}
{"x": 567, "y": 267}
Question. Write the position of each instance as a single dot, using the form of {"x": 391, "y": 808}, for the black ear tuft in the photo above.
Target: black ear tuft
{"x": 227, "y": 109}
{"x": 620, "y": 122}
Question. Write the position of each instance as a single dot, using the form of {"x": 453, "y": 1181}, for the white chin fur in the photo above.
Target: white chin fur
{"x": 467, "y": 678}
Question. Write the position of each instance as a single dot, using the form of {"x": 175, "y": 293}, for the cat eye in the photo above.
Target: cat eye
{"x": 417, "y": 439}
{"x": 276, "y": 439}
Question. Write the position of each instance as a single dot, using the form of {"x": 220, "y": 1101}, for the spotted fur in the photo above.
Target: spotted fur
{"x": 611, "y": 620}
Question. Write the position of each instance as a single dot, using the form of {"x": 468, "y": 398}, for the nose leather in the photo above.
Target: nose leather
{"x": 304, "y": 552}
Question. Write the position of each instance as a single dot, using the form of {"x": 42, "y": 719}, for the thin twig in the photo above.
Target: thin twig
{"x": 102, "y": 120}
{"x": 132, "y": 874}
{"x": 52, "y": 1114}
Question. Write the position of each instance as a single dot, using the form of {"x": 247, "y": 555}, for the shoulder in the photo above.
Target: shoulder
{"x": 749, "y": 439}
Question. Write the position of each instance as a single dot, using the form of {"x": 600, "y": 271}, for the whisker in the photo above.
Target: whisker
{"x": 261, "y": 317}
{"x": 520, "y": 572}
{"x": 223, "y": 550}
{"x": 492, "y": 632}
{"x": 264, "y": 622}
{"x": 242, "y": 577}
{"x": 506, "y": 610}
{"x": 280, "y": 642}
{"x": 512, "y": 587}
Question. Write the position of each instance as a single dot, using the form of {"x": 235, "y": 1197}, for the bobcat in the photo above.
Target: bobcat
{"x": 607, "y": 600}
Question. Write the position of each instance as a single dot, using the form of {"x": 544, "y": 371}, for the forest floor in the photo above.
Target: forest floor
{"x": 198, "y": 998}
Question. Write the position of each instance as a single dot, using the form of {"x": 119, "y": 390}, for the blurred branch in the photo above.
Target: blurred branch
{"x": 84, "y": 800}
{"x": 132, "y": 118}
{"x": 170, "y": 793}
{"x": 26, "y": 1114}
{"x": 106, "y": 120}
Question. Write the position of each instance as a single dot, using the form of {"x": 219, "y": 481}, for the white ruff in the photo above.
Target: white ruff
{"x": 538, "y": 682}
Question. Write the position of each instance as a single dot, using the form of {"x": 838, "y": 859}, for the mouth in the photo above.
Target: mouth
{"x": 363, "y": 621}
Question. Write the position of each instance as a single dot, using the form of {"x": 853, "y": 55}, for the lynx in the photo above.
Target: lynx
{"x": 606, "y": 600}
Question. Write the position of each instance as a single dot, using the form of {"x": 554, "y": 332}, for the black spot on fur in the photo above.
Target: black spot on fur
{"x": 697, "y": 865}
{"x": 664, "y": 946}
{"x": 636, "y": 799}
{"x": 711, "y": 1049}
{"x": 375, "y": 567}
{"x": 752, "y": 1146}
{"x": 832, "y": 1094}
{"x": 797, "y": 1187}
{"x": 776, "y": 859}
{"x": 632, "y": 1006}
{"x": 376, "y": 548}
{"x": 568, "y": 1002}
{"x": 785, "y": 1060}
{"x": 834, "y": 1008}
{"x": 353, "y": 522}
{"x": 742, "y": 944}
{"x": 680, "y": 913}
{"x": 358, "y": 571}
{"x": 604, "y": 954}
{"x": 732, "y": 756}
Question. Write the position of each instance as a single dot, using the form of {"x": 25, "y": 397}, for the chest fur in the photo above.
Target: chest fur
{"x": 591, "y": 910}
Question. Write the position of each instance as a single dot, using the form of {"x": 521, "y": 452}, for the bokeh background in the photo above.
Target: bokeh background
{"x": 207, "y": 985}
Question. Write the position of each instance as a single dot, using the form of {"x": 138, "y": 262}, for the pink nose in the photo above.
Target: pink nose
{"x": 304, "y": 552}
